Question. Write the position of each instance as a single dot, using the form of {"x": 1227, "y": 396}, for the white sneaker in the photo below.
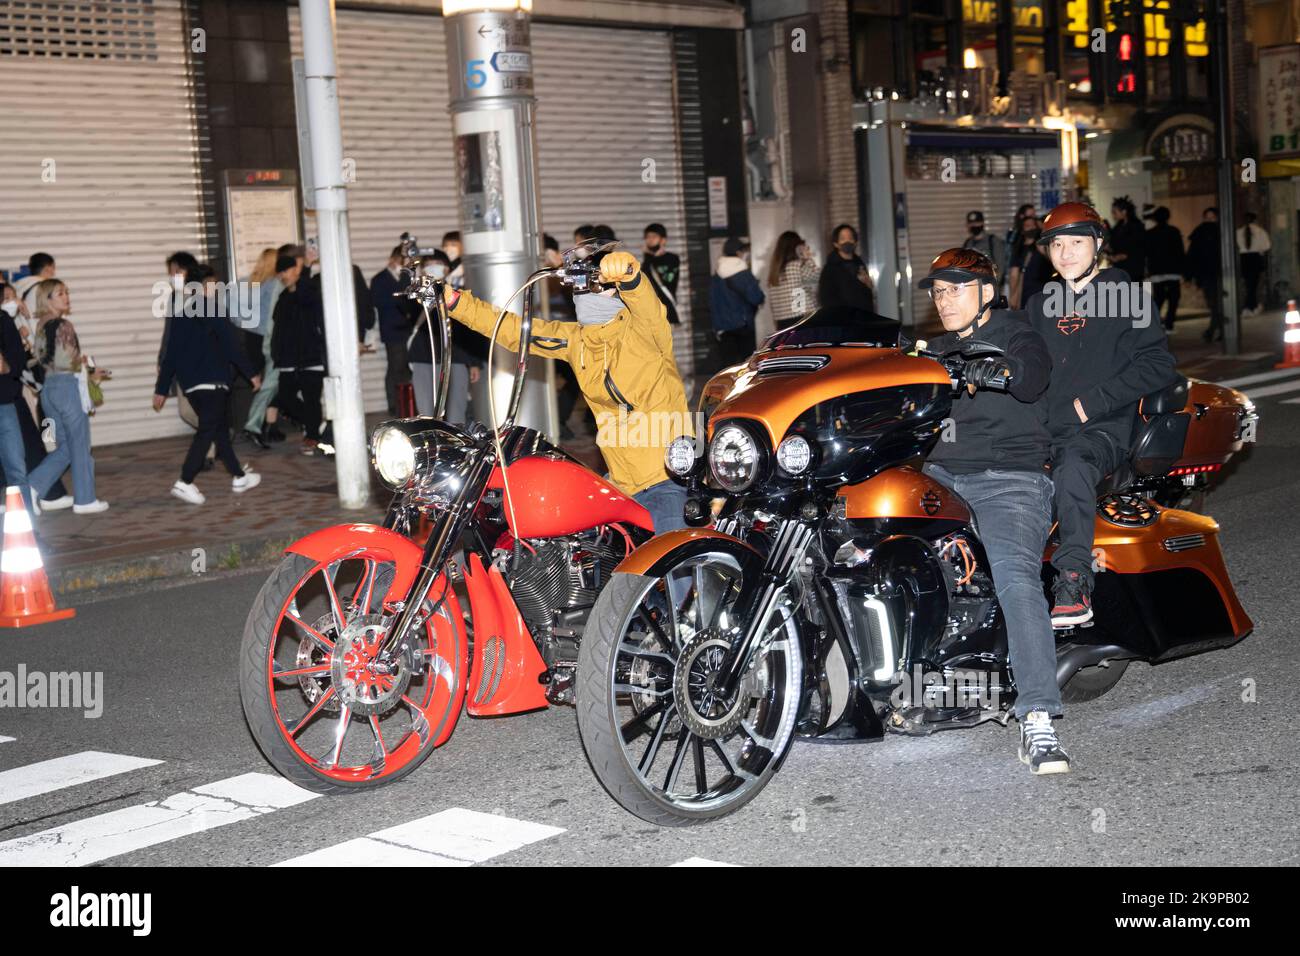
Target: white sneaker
{"x": 251, "y": 479}
{"x": 57, "y": 504}
{"x": 94, "y": 508}
{"x": 187, "y": 493}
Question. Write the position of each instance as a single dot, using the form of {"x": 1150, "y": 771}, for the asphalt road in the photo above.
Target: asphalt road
{"x": 1171, "y": 767}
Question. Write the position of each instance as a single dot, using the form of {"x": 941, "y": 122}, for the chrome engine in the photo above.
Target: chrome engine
{"x": 554, "y": 582}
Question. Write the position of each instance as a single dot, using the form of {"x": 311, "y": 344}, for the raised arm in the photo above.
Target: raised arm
{"x": 550, "y": 336}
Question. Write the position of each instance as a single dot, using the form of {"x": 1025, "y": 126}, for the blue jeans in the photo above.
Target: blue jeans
{"x": 12, "y": 454}
{"x": 61, "y": 400}
{"x": 666, "y": 503}
{"x": 1013, "y": 515}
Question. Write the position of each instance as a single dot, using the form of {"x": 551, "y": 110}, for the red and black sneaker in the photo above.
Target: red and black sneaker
{"x": 1073, "y": 600}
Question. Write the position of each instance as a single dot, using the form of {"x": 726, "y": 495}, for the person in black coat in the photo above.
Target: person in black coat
{"x": 844, "y": 279}
{"x": 1127, "y": 244}
{"x": 13, "y": 359}
{"x": 298, "y": 348}
{"x": 200, "y": 352}
{"x": 1165, "y": 264}
{"x": 397, "y": 317}
{"x": 1204, "y": 268}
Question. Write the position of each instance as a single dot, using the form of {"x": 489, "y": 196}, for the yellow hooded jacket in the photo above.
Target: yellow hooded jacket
{"x": 626, "y": 371}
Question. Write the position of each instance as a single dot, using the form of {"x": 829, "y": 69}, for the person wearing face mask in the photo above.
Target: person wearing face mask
{"x": 1031, "y": 270}
{"x": 734, "y": 298}
{"x": 662, "y": 267}
{"x": 396, "y": 320}
{"x": 845, "y": 281}
{"x": 983, "y": 241}
{"x": 621, "y": 350}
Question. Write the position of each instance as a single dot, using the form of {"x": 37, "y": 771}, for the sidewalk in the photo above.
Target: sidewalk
{"x": 147, "y": 534}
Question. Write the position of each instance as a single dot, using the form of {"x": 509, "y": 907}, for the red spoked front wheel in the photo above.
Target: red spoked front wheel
{"x": 328, "y": 709}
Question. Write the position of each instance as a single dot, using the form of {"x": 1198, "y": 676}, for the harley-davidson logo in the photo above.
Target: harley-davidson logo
{"x": 931, "y": 503}
{"x": 1071, "y": 323}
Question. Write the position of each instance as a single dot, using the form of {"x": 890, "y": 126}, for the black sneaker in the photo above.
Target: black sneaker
{"x": 272, "y": 433}
{"x": 256, "y": 439}
{"x": 1039, "y": 747}
{"x": 1072, "y": 604}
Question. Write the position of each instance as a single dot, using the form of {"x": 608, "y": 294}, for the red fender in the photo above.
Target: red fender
{"x": 344, "y": 540}
{"x": 507, "y": 666}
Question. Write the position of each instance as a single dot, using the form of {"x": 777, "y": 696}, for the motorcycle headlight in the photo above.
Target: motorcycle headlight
{"x": 679, "y": 457}
{"x": 794, "y": 455}
{"x": 393, "y": 454}
{"x": 734, "y": 458}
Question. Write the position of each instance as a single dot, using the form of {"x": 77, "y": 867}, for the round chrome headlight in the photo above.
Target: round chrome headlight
{"x": 393, "y": 454}
{"x": 679, "y": 457}
{"x": 734, "y": 458}
{"x": 794, "y": 455}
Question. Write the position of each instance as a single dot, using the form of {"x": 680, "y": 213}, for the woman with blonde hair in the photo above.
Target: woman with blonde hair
{"x": 59, "y": 351}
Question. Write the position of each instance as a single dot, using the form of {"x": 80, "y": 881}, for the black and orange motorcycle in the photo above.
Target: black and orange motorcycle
{"x": 840, "y": 593}
{"x": 358, "y": 659}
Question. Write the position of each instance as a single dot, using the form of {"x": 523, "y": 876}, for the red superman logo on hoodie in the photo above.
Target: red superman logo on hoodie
{"x": 1071, "y": 323}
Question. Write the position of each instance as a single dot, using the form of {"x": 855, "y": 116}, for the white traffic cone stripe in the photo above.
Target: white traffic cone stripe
{"x": 453, "y": 837}
{"x": 107, "y": 835}
{"x": 61, "y": 772}
{"x": 20, "y": 560}
{"x": 17, "y": 521}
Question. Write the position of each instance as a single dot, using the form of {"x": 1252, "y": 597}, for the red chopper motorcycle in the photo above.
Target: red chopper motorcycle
{"x": 356, "y": 662}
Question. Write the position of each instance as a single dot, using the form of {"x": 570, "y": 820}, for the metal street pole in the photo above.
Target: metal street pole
{"x": 490, "y": 73}
{"x": 1227, "y": 182}
{"x": 343, "y": 386}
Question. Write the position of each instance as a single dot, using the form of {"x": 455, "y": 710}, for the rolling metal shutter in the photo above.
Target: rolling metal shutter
{"x": 98, "y": 97}
{"x": 393, "y": 96}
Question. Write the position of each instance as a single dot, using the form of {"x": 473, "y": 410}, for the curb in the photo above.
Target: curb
{"x": 97, "y": 578}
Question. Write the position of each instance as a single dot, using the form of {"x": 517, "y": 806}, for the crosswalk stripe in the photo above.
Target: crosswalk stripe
{"x": 1254, "y": 393}
{"x": 452, "y": 837}
{"x": 135, "y": 828}
{"x": 701, "y": 861}
{"x": 1260, "y": 377}
{"x": 5, "y": 740}
{"x": 1291, "y": 401}
{"x": 50, "y": 775}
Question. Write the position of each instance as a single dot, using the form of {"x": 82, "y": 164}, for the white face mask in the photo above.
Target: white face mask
{"x": 10, "y": 308}
{"x": 594, "y": 309}
{"x": 438, "y": 270}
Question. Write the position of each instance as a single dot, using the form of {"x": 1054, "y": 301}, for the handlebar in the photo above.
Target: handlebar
{"x": 955, "y": 360}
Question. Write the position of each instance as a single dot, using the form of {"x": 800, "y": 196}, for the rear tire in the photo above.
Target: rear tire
{"x": 1089, "y": 683}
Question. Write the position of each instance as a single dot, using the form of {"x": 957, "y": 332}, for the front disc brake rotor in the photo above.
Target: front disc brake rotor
{"x": 363, "y": 682}
{"x": 703, "y": 711}
{"x": 311, "y": 654}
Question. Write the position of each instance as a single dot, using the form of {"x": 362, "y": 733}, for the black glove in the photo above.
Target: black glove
{"x": 982, "y": 371}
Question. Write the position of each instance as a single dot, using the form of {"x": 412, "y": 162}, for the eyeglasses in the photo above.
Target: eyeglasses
{"x": 952, "y": 291}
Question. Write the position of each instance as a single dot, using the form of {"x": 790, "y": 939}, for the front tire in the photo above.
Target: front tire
{"x": 318, "y": 708}
{"x": 646, "y": 652}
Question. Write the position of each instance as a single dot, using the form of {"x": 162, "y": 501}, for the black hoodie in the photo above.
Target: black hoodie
{"x": 1108, "y": 350}
{"x": 996, "y": 430}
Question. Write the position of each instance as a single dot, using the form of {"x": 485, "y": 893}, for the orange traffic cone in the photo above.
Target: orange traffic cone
{"x": 25, "y": 597}
{"x": 1291, "y": 338}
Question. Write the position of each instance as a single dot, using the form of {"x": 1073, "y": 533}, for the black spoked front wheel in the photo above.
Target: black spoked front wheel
{"x": 663, "y": 741}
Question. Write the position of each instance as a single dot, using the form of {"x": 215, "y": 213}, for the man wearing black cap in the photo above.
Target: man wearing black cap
{"x": 985, "y": 242}
{"x": 997, "y": 462}
{"x": 734, "y": 298}
{"x": 662, "y": 267}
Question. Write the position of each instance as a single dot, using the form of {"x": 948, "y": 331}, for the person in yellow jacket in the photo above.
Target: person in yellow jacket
{"x": 621, "y": 350}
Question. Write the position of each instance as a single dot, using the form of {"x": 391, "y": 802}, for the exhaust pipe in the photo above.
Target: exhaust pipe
{"x": 1080, "y": 656}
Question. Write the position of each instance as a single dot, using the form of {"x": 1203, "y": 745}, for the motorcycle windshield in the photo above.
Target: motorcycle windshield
{"x": 839, "y": 326}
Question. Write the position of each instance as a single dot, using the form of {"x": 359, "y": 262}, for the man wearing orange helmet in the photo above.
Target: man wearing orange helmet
{"x": 997, "y": 462}
{"x": 1106, "y": 354}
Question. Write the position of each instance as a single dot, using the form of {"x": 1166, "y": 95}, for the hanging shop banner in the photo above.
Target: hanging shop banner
{"x": 1279, "y": 100}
